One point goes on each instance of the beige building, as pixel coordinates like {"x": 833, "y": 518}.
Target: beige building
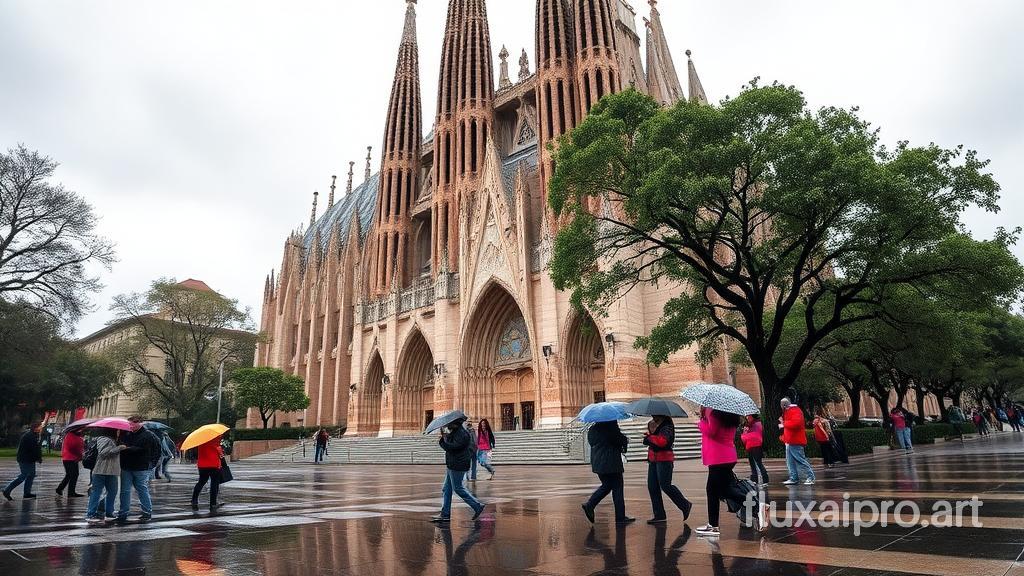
{"x": 424, "y": 288}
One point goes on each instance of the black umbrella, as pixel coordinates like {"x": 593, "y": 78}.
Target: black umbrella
{"x": 656, "y": 407}
{"x": 78, "y": 425}
{"x": 444, "y": 420}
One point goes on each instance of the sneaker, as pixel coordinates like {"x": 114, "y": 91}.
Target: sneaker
{"x": 789, "y": 482}
{"x": 440, "y": 519}
{"x": 708, "y": 531}
{"x": 658, "y": 521}
{"x": 8, "y": 495}
{"x": 59, "y": 493}
{"x": 589, "y": 511}
{"x": 94, "y": 521}
{"x": 809, "y": 482}
{"x": 121, "y": 520}
{"x": 762, "y": 485}
{"x": 626, "y": 520}
{"x": 480, "y": 511}
{"x": 145, "y": 518}
{"x": 686, "y": 510}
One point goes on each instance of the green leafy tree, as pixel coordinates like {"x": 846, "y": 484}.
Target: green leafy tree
{"x": 192, "y": 331}
{"x": 762, "y": 210}
{"x": 269, "y": 390}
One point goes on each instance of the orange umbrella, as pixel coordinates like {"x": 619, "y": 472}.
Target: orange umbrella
{"x": 203, "y": 434}
{"x": 197, "y": 568}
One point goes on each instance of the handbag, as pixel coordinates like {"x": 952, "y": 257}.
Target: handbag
{"x": 225, "y": 471}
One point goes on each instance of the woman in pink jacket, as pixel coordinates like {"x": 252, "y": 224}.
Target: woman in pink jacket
{"x": 718, "y": 452}
{"x": 753, "y": 438}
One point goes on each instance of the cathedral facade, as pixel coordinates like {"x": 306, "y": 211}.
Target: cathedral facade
{"x": 424, "y": 288}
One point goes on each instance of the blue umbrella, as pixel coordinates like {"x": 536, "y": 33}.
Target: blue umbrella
{"x": 155, "y": 425}
{"x": 604, "y": 412}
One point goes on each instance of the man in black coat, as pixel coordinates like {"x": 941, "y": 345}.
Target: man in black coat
{"x": 455, "y": 441}
{"x": 140, "y": 453}
{"x": 29, "y": 454}
{"x": 607, "y": 445}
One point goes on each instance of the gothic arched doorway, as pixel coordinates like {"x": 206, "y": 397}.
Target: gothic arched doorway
{"x": 496, "y": 380}
{"x": 584, "y": 374}
{"x": 370, "y": 393}
{"x": 414, "y": 387}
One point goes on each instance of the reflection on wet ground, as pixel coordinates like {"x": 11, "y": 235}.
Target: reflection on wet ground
{"x": 361, "y": 520}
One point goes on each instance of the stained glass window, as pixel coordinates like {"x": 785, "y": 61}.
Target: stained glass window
{"x": 514, "y": 345}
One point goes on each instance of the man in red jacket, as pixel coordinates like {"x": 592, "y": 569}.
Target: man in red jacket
{"x": 794, "y": 436}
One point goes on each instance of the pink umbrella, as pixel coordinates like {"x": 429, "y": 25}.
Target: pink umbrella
{"x": 112, "y": 422}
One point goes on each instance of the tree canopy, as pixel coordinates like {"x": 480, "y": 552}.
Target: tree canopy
{"x": 268, "y": 390}
{"x": 770, "y": 217}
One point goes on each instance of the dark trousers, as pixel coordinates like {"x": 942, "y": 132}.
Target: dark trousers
{"x": 754, "y": 456}
{"x": 659, "y": 479}
{"x": 70, "y": 479}
{"x": 720, "y": 485}
{"x": 827, "y": 453}
{"x": 211, "y": 474}
{"x": 610, "y": 483}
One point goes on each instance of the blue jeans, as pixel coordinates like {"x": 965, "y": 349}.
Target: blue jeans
{"x": 797, "y": 460}
{"x": 453, "y": 481}
{"x": 903, "y": 438}
{"x": 472, "y": 469}
{"x": 101, "y": 482}
{"x": 27, "y": 475}
{"x": 318, "y": 455}
{"x": 164, "y": 463}
{"x": 139, "y": 479}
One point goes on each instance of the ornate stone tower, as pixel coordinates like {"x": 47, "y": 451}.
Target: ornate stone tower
{"x": 597, "y": 68}
{"x": 399, "y": 171}
{"x": 556, "y": 79}
{"x": 662, "y": 79}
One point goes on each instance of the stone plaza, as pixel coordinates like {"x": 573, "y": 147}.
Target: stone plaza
{"x": 330, "y": 519}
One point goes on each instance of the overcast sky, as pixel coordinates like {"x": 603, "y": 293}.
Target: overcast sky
{"x": 199, "y": 130}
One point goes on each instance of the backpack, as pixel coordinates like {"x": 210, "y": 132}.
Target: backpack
{"x": 737, "y": 499}
{"x": 90, "y": 456}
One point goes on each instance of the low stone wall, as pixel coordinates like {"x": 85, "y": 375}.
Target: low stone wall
{"x": 247, "y": 448}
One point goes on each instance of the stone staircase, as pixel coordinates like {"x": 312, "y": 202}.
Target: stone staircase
{"x": 558, "y": 446}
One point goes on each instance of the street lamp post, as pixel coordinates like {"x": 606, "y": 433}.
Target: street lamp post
{"x": 220, "y": 389}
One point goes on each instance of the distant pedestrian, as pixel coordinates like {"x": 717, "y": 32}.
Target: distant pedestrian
{"x": 140, "y": 451}
{"x": 823, "y": 436}
{"x": 71, "y": 452}
{"x": 659, "y": 439}
{"x": 753, "y": 440}
{"x": 105, "y": 474}
{"x": 473, "y": 444}
{"x": 980, "y": 422}
{"x": 718, "y": 453}
{"x": 209, "y": 464}
{"x": 29, "y": 454}
{"x": 1013, "y": 417}
{"x": 167, "y": 451}
{"x": 322, "y": 437}
{"x": 902, "y": 427}
{"x": 484, "y": 445}
{"x": 957, "y": 419}
{"x": 794, "y": 436}
{"x": 455, "y": 441}
{"x": 607, "y": 445}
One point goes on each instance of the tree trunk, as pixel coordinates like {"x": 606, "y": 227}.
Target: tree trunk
{"x": 265, "y": 420}
{"x": 943, "y": 411}
{"x": 854, "y": 418}
{"x": 919, "y": 396}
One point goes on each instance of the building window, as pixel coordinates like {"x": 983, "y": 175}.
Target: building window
{"x": 514, "y": 345}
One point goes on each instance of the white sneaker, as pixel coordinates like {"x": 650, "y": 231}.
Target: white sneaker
{"x": 708, "y": 531}
{"x": 762, "y": 517}
{"x": 809, "y": 482}
{"x": 762, "y": 485}
{"x": 789, "y": 482}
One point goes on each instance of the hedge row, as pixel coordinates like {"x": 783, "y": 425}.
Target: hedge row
{"x": 281, "y": 433}
{"x": 863, "y": 440}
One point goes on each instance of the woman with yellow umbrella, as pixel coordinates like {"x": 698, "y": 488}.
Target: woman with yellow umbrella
{"x": 210, "y": 461}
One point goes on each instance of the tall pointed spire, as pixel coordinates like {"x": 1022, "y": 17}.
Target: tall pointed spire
{"x": 369, "y": 154}
{"x": 662, "y": 78}
{"x": 330, "y": 199}
{"x": 445, "y": 127}
{"x": 597, "y": 65}
{"x": 312, "y": 215}
{"x": 696, "y": 88}
{"x": 351, "y": 173}
{"x": 557, "y": 105}
{"x": 399, "y": 171}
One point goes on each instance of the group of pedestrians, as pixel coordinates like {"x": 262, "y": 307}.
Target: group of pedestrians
{"x": 120, "y": 462}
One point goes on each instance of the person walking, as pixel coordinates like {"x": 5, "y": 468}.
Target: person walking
{"x": 901, "y": 427}
{"x": 823, "y": 436}
{"x": 659, "y": 439}
{"x": 753, "y": 440}
{"x": 455, "y": 441}
{"x": 980, "y": 422}
{"x": 71, "y": 452}
{"x": 322, "y": 437}
{"x": 794, "y": 436}
{"x": 473, "y": 444}
{"x": 167, "y": 454}
{"x": 957, "y": 419}
{"x": 29, "y": 454}
{"x": 484, "y": 445}
{"x": 140, "y": 450}
{"x": 718, "y": 454}
{"x": 209, "y": 465}
{"x": 1012, "y": 417}
{"x": 105, "y": 474}
{"x": 607, "y": 445}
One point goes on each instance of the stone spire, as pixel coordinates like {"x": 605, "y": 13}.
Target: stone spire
{"x": 351, "y": 173}
{"x": 557, "y": 105}
{"x": 597, "y": 65}
{"x": 696, "y": 89}
{"x": 399, "y": 170}
{"x": 503, "y": 80}
{"x": 524, "y": 66}
{"x": 330, "y": 199}
{"x": 445, "y": 127}
{"x": 312, "y": 215}
{"x": 662, "y": 79}
{"x": 369, "y": 154}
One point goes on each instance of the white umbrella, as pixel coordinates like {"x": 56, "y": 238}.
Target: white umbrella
{"x": 721, "y": 397}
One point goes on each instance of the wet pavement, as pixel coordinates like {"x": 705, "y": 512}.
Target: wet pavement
{"x": 374, "y": 520}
